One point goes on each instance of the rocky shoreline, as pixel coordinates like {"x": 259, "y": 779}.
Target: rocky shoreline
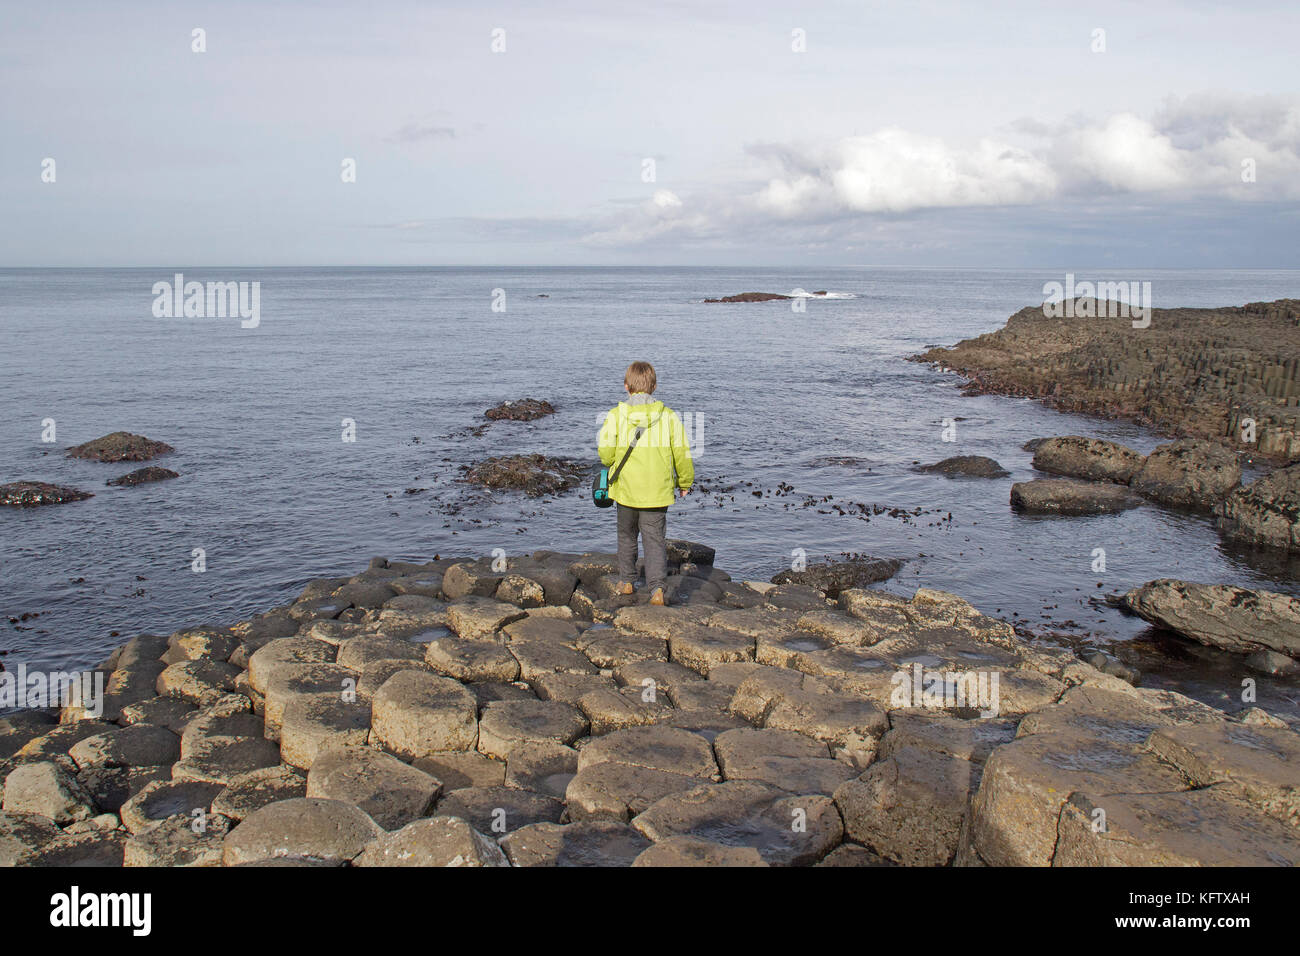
{"x": 1195, "y": 373}
{"x": 1223, "y": 379}
{"x": 492, "y": 712}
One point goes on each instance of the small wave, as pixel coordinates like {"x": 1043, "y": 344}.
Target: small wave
{"x": 801, "y": 294}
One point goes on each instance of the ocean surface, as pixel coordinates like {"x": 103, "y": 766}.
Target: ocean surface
{"x": 799, "y": 419}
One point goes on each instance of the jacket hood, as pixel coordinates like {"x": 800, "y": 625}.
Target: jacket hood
{"x": 641, "y": 414}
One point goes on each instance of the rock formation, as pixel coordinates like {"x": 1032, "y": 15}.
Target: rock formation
{"x": 534, "y": 475}
{"x": 120, "y": 446}
{"x": 522, "y": 410}
{"x": 1064, "y": 496}
{"x": 751, "y": 297}
{"x": 1228, "y": 375}
{"x": 1235, "y": 619}
{"x": 142, "y": 476}
{"x": 966, "y": 466}
{"x": 1265, "y": 513}
{"x": 30, "y": 494}
{"x": 453, "y": 713}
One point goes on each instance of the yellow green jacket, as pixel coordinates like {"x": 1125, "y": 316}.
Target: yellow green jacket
{"x": 660, "y": 462}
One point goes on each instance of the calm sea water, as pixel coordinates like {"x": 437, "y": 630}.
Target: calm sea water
{"x": 274, "y": 497}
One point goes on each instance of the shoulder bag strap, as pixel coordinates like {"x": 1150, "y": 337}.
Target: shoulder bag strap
{"x": 640, "y": 430}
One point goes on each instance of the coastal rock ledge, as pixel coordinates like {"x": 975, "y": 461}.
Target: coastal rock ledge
{"x": 460, "y": 712}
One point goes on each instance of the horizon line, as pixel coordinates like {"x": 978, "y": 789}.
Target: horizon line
{"x": 697, "y": 268}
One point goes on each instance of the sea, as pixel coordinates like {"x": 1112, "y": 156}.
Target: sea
{"x": 336, "y": 426}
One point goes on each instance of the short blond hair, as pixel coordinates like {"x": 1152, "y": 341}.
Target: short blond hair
{"x": 640, "y": 377}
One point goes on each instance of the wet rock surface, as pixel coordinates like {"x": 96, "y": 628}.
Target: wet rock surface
{"x": 534, "y": 475}
{"x": 1265, "y": 513}
{"x": 1188, "y": 473}
{"x": 120, "y": 446}
{"x": 1065, "y": 496}
{"x": 750, "y": 297}
{"x": 791, "y": 730}
{"x": 966, "y": 466}
{"x": 1243, "y": 620}
{"x": 1089, "y": 459}
{"x": 142, "y": 476}
{"x": 833, "y": 577}
{"x": 30, "y": 494}
{"x": 520, "y": 410}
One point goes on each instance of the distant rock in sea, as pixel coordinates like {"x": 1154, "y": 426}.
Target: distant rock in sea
{"x": 120, "y": 446}
{"x": 141, "y": 476}
{"x": 29, "y": 494}
{"x": 751, "y": 297}
{"x": 769, "y": 296}
{"x": 521, "y": 410}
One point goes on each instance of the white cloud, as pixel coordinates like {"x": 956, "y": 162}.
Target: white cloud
{"x": 662, "y": 214}
{"x": 894, "y": 170}
{"x": 1125, "y": 153}
{"x": 1190, "y": 150}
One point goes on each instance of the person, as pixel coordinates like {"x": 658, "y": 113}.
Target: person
{"x": 659, "y": 463}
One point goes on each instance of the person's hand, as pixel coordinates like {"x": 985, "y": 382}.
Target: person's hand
{"x": 683, "y": 492}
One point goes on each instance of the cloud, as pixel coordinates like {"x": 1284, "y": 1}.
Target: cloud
{"x": 666, "y": 199}
{"x": 662, "y": 214}
{"x": 1191, "y": 149}
{"x": 1124, "y": 153}
{"x": 413, "y": 133}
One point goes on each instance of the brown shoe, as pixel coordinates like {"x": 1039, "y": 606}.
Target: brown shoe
{"x": 657, "y": 597}
{"x": 626, "y": 588}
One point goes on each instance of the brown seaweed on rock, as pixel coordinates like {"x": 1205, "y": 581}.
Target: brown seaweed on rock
{"x": 534, "y": 475}
{"x": 120, "y": 446}
{"x": 29, "y": 494}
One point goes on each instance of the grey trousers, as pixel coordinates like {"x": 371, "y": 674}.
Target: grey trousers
{"x": 652, "y": 524}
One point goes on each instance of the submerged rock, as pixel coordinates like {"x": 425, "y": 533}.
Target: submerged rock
{"x": 534, "y": 475}
{"x": 141, "y": 476}
{"x": 521, "y": 410}
{"x": 120, "y": 446}
{"x": 29, "y": 494}
{"x": 966, "y": 466}
{"x": 832, "y": 578}
{"x": 1063, "y": 496}
{"x": 1235, "y": 619}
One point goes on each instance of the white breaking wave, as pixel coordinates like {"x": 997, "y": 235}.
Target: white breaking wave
{"x": 801, "y": 294}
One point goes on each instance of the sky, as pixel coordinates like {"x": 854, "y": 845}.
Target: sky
{"x": 951, "y": 134}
